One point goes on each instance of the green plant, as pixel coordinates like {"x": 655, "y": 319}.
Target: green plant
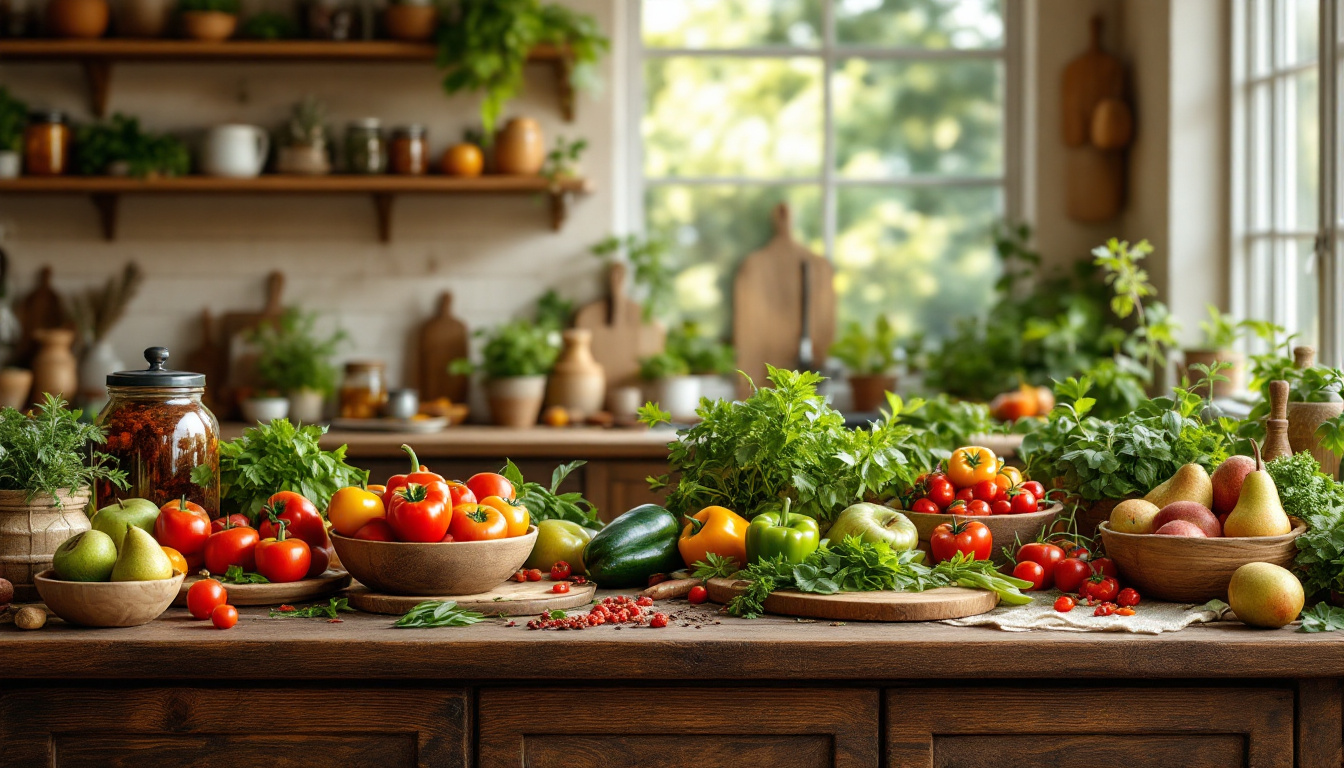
{"x": 664, "y": 365}
{"x": 485, "y": 46}
{"x": 1155, "y": 328}
{"x": 865, "y": 354}
{"x": 120, "y": 140}
{"x": 948, "y": 424}
{"x": 438, "y": 613}
{"x": 704, "y": 355}
{"x": 1315, "y": 498}
{"x": 547, "y": 503}
{"x": 13, "y": 119}
{"x": 517, "y": 348}
{"x": 293, "y": 356}
{"x": 1221, "y": 331}
{"x": 1322, "y": 617}
{"x": 307, "y": 126}
{"x": 332, "y": 610}
{"x": 269, "y": 25}
{"x": 654, "y": 268}
{"x": 221, "y": 6}
{"x": 554, "y": 311}
{"x": 52, "y": 451}
{"x": 563, "y": 161}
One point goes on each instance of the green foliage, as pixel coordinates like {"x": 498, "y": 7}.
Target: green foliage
{"x": 1275, "y": 363}
{"x": 485, "y": 46}
{"x": 331, "y": 611}
{"x": 717, "y": 567}
{"x": 269, "y": 25}
{"x": 235, "y": 574}
{"x": 13, "y": 120}
{"x": 1322, "y": 617}
{"x": 554, "y": 311}
{"x": 516, "y": 348}
{"x": 948, "y": 424}
{"x": 563, "y": 161}
{"x": 52, "y": 451}
{"x": 222, "y": 6}
{"x": 1331, "y": 435}
{"x": 664, "y": 365}
{"x": 703, "y": 353}
{"x": 274, "y": 457}
{"x": 1156, "y": 328}
{"x": 653, "y": 269}
{"x": 1221, "y": 331}
{"x": 548, "y": 503}
{"x": 120, "y": 140}
{"x": 1317, "y": 500}
{"x": 864, "y": 353}
{"x": 438, "y": 613}
{"x": 292, "y": 356}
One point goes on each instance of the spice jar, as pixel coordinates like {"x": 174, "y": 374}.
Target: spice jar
{"x": 410, "y": 151}
{"x": 46, "y": 144}
{"x": 363, "y": 390}
{"x": 161, "y": 434}
{"x": 364, "y": 151}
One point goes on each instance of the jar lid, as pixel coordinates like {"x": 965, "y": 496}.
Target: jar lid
{"x": 369, "y": 123}
{"x": 44, "y": 116}
{"x": 156, "y": 375}
{"x": 412, "y": 131}
{"x": 362, "y": 366}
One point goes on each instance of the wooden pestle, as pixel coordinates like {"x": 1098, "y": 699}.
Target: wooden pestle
{"x": 1276, "y": 426}
{"x": 1304, "y": 357}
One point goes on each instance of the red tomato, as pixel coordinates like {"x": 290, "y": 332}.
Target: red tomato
{"x": 941, "y": 491}
{"x": 560, "y": 587}
{"x": 1104, "y": 566}
{"x": 966, "y": 494}
{"x": 1001, "y": 507}
{"x": 224, "y": 616}
{"x": 321, "y": 560}
{"x": 182, "y": 503}
{"x": 1105, "y": 609}
{"x": 1127, "y": 598}
{"x": 697, "y": 595}
{"x": 986, "y": 490}
{"x": 283, "y": 560}
{"x": 231, "y": 546}
{"x": 1064, "y": 604}
{"x": 204, "y": 595}
{"x": 1029, "y": 571}
{"x": 185, "y": 531}
{"x": 1081, "y": 553}
{"x": 1070, "y": 574}
{"x": 490, "y": 484}
{"x": 421, "y": 512}
{"x": 968, "y": 536}
{"x": 477, "y": 522}
{"x": 925, "y": 506}
{"x": 233, "y": 521}
{"x": 560, "y": 571}
{"x": 1048, "y": 556}
{"x": 376, "y": 530}
{"x": 461, "y": 494}
{"x": 1036, "y": 488}
{"x": 1024, "y": 502}
{"x": 1099, "y": 587}
{"x": 305, "y": 522}
{"x": 977, "y": 508}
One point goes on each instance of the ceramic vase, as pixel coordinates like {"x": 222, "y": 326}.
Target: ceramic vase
{"x": 143, "y": 18}
{"x": 30, "y": 532}
{"x": 15, "y": 384}
{"x": 515, "y": 401}
{"x": 10, "y": 163}
{"x": 1303, "y": 421}
{"x": 209, "y": 26}
{"x": 264, "y": 410}
{"x": 678, "y": 395}
{"x": 578, "y": 383}
{"x": 55, "y": 369}
{"x": 305, "y": 406}
{"x": 520, "y": 149}
{"x": 78, "y": 19}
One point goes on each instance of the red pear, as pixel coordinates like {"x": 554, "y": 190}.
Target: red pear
{"x": 1181, "y": 528}
{"x": 1191, "y": 512}
{"x": 1227, "y": 479}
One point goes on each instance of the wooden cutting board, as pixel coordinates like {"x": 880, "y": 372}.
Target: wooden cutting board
{"x": 443, "y": 339}
{"x": 931, "y": 605}
{"x": 1088, "y": 80}
{"x": 1094, "y": 177}
{"x": 511, "y": 598}
{"x": 329, "y": 583}
{"x": 41, "y": 309}
{"x": 212, "y": 359}
{"x": 621, "y": 336}
{"x": 242, "y": 359}
{"x": 768, "y": 304}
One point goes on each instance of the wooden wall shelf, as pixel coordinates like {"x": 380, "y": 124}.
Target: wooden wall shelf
{"x": 106, "y": 191}
{"x": 98, "y": 57}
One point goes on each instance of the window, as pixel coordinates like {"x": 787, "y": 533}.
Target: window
{"x": 883, "y": 123}
{"x": 1288, "y": 204}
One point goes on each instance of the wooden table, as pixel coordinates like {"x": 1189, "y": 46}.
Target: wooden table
{"x": 289, "y": 692}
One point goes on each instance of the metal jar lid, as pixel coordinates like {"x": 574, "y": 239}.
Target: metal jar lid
{"x": 366, "y": 124}
{"x": 156, "y": 375}
{"x": 46, "y": 117}
{"x": 412, "y": 131}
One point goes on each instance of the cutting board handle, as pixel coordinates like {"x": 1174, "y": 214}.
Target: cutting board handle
{"x": 445, "y": 305}
{"x": 783, "y": 220}
{"x": 1096, "y": 24}
{"x": 616, "y": 285}
{"x": 275, "y": 288}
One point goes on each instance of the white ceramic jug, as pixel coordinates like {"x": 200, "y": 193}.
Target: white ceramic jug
{"x": 236, "y": 151}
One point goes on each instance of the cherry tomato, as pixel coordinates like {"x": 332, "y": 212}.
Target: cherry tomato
{"x": 477, "y": 522}
{"x": 986, "y": 490}
{"x": 1128, "y": 597}
{"x": 321, "y": 560}
{"x": 1079, "y": 552}
{"x": 231, "y": 546}
{"x": 560, "y": 587}
{"x": 233, "y": 521}
{"x": 697, "y": 595}
{"x": 225, "y": 616}
{"x": 1064, "y": 604}
{"x": 560, "y": 570}
{"x": 283, "y": 560}
{"x": 658, "y": 621}
{"x": 977, "y": 508}
{"x": 1070, "y": 574}
{"x": 1105, "y": 609}
{"x": 1105, "y": 566}
{"x": 967, "y": 536}
{"x": 1036, "y": 488}
{"x": 972, "y": 464}
{"x": 491, "y": 484}
{"x": 940, "y": 491}
{"x": 1001, "y": 507}
{"x": 966, "y": 494}
{"x": 1048, "y": 556}
{"x": 925, "y": 506}
{"x": 1029, "y": 571}
{"x": 1008, "y": 477}
{"x": 204, "y": 595}
{"x": 460, "y": 493}
{"x": 1024, "y": 502}
{"x": 515, "y": 513}
{"x": 1099, "y": 587}
{"x": 534, "y": 574}
{"x": 183, "y": 530}
{"x": 376, "y": 530}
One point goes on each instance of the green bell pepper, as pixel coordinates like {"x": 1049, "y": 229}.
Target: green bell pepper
{"x": 792, "y": 535}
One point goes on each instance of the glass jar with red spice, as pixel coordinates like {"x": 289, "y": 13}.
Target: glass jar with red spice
{"x": 162, "y": 435}
{"x": 46, "y": 144}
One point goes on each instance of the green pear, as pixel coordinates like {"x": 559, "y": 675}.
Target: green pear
{"x": 141, "y": 559}
{"x": 1265, "y": 595}
{"x": 1259, "y": 512}
{"x": 114, "y": 518}
{"x": 1190, "y": 483}
{"x": 87, "y": 556}
{"x": 1133, "y": 516}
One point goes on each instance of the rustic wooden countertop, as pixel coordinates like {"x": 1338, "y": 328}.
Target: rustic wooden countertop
{"x": 473, "y": 441}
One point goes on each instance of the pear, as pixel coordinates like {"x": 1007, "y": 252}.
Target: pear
{"x": 86, "y": 556}
{"x": 114, "y": 518}
{"x": 1190, "y": 483}
{"x": 1133, "y": 516}
{"x": 1265, "y": 595}
{"x": 1259, "y": 511}
{"x": 141, "y": 559}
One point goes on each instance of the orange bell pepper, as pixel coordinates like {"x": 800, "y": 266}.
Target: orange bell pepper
{"x": 516, "y": 514}
{"x": 714, "y": 529}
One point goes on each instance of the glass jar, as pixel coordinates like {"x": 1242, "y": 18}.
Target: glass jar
{"x": 363, "y": 389}
{"x": 410, "y": 151}
{"x": 364, "y": 150}
{"x": 46, "y": 144}
{"x": 160, "y": 433}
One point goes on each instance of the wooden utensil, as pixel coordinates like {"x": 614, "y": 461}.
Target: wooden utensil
{"x": 330, "y": 582}
{"x": 621, "y": 336}
{"x": 930, "y": 605}
{"x": 242, "y": 360}
{"x": 1276, "y": 426}
{"x": 443, "y": 339}
{"x": 40, "y": 310}
{"x": 768, "y": 304}
{"x": 1088, "y": 80}
{"x": 510, "y": 598}
{"x": 437, "y": 568}
{"x": 1096, "y": 124}
{"x": 212, "y": 359}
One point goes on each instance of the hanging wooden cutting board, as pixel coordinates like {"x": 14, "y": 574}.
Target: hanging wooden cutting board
{"x": 41, "y": 309}
{"x": 212, "y": 359}
{"x": 1094, "y": 177}
{"x": 511, "y": 598}
{"x": 931, "y": 605}
{"x": 1089, "y": 80}
{"x": 236, "y": 325}
{"x": 768, "y": 304}
{"x": 443, "y": 339}
{"x": 621, "y": 336}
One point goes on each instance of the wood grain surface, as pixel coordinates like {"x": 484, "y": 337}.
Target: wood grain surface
{"x": 930, "y": 605}
{"x": 330, "y": 582}
{"x": 621, "y": 335}
{"x": 509, "y": 599}
{"x": 443, "y": 339}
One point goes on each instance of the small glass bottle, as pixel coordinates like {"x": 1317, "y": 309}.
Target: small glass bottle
{"x": 410, "y": 151}
{"x": 46, "y": 144}
{"x": 363, "y": 389}
{"x": 364, "y": 150}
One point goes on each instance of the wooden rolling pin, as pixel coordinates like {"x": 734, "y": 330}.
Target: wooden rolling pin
{"x": 1276, "y": 426}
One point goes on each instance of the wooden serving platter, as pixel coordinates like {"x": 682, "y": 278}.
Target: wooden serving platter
{"x": 931, "y": 605}
{"x": 276, "y": 594}
{"x": 511, "y": 598}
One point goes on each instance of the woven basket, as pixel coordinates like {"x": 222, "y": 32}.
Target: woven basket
{"x": 30, "y": 532}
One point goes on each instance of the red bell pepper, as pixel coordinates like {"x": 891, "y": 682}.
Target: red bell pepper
{"x": 419, "y": 474}
{"x": 421, "y": 512}
{"x": 305, "y": 522}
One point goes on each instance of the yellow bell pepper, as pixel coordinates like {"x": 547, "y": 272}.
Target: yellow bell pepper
{"x": 714, "y": 529}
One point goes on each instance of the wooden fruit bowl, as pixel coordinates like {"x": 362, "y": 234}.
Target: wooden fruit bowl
{"x": 434, "y": 569}
{"x": 1003, "y": 527}
{"x": 1192, "y": 570}
{"x": 107, "y": 603}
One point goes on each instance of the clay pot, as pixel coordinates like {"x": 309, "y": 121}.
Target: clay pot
{"x": 520, "y": 149}
{"x": 15, "y": 384}
{"x": 578, "y": 383}
{"x": 55, "y": 369}
{"x": 143, "y": 18}
{"x": 209, "y": 26}
{"x": 81, "y": 19}
{"x": 869, "y": 391}
{"x": 516, "y": 401}
{"x": 412, "y": 23}
{"x": 1303, "y": 421}
{"x": 304, "y": 160}
{"x": 30, "y": 532}
{"x": 1236, "y": 375}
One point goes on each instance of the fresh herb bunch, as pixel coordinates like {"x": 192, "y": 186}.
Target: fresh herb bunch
{"x": 120, "y": 140}
{"x": 274, "y": 457}
{"x": 52, "y": 451}
{"x": 269, "y": 25}
{"x": 866, "y": 354}
{"x": 782, "y": 442}
{"x": 717, "y": 567}
{"x": 232, "y": 7}
{"x": 292, "y": 355}
{"x": 654, "y": 269}
{"x": 554, "y": 311}
{"x": 664, "y": 365}
{"x": 547, "y": 503}
{"x": 948, "y": 424}
{"x": 438, "y": 613}
{"x": 13, "y": 121}
{"x": 517, "y": 348}
{"x": 331, "y": 610}
{"x": 563, "y": 161}
{"x": 1315, "y": 498}
{"x": 704, "y": 354}
{"x": 1221, "y": 331}
{"x": 236, "y": 575}
{"x": 1322, "y": 617}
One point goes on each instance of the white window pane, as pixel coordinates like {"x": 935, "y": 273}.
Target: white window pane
{"x": 938, "y": 24}
{"x": 1258, "y": 34}
{"x": 1302, "y": 30}
{"x": 916, "y": 118}
{"x": 1261, "y": 184}
{"x": 1302, "y": 291}
{"x": 923, "y": 257}
{"x": 1260, "y": 281}
{"x": 725, "y": 116}
{"x": 731, "y": 23}
{"x": 1305, "y": 155}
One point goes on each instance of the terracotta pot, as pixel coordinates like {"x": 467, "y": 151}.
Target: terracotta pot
{"x": 82, "y": 19}
{"x": 870, "y": 391}
{"x": 520, "y": 149}
{"x": 55, "y": 369}
{"x": 1236, "y": 375}
{"x": 412, "y": 23}
{"x": 15, "y": 384}
{"x": 515, "y": 401}
{"x": 143, "y": 18}
{"x": 30, "y": 532}
{"x": 1303, "y": 420}
{"x": 209, "y": 26}
{"x": 578, "y": 383}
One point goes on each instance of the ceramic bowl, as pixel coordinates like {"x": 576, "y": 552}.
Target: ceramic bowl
{"x": 434, "y": 569}
{"x": 107, "y": 603}
{"x": 1005, "y": 528}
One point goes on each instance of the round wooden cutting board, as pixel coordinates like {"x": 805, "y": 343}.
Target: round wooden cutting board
{"x": 931, "y": 605}
{"x": 512, "y": 598}
{"x": 328, "y": 583}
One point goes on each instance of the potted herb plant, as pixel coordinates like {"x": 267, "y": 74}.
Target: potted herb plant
{"x": 1220, "y": 337}
{"x": 303, "y": 144}
{"x": 411, "y": 20}
{"x": 1313, "y": 400}
{"x": 209, "y": 21}
{"x": 293, "y": 359}
{"x": 13, "y": 118}
{"x": 671, "y": 384}
{"x": 47, "y": 469}
{"x": 515, "y": 359}
{"x": 119, "y": 147}
{"x": 870, "y": 360}
{"x": 710, "y": 360}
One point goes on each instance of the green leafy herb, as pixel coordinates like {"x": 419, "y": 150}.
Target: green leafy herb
{"x": 517, "y": 348}
{"x": 291, "y": 355}
{"x": 948, "y": 424}
{"x": 1322, "y": 617}
{"x": 557, "y": 614}
{"x": 546, "y": 504}
{"x": 120, "y": 140}
{"x": 236, "y": 575}
{"x": 438, "y": 613}
{"x": 221, "y": 6}
{"x": 1311, "y": 496}
{"x": 866, "y": 353}
{"x": 653, "y": 265}
{"x": 563, "y": 161}
{"x": 329, "y": 611}
{"x": 663, "y": 365}
{"x": 718, "y": 567}
{"x": 13, "y": 120}
{"x": 703, "y": 353}
{"x": 52, "y": 451}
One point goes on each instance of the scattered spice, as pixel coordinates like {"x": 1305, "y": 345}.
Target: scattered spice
{"x": 330, "y": 610}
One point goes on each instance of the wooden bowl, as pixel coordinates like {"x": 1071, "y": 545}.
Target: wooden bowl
{"x": 1192, "y": 570}
{"x": 107, "y": 603}
{"x": 434, "y": 569}
{"x": 1005, "y": 528}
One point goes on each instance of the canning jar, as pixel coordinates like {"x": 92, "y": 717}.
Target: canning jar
{"x": 46, "y": 144}
{"x": 409, "y": 151}
{"x": 162, "y": 436}
{"x": 364, "y": 151}
{"x": 363, "y": 389}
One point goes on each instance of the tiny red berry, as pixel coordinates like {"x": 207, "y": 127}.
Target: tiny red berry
{"x": 698, "y": 595}
{"x": 534, "y": 574}
{"x": 1064, "y": 604}
{"x": 1128, "y": 597}
{"x": 560, "y": 571}
{"x": 658, "y": 621}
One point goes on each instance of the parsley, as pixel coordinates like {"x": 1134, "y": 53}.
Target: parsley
{"x": 1311, "y": 496}
{"x": 545, "y": 504}
{"x": 1322, "y": 617}
{"x": 438, "y": 613}
{"x": 236, "y": 575}
{"x": 328, "y": 611}
{"x": 50, "y": 451}
{"x": 718, "y": 567}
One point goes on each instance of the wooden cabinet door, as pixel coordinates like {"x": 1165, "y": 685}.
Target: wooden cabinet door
{"x": 1090, "y": 727}
{"x": 617, "y": 486}
{"x": 678, "y": 727}
{"x": 233, "y": 728}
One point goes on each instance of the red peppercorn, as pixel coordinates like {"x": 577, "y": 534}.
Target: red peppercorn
{"x": 658, "y": 621}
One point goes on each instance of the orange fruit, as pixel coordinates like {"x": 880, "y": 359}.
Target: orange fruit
{"x": 464, "y": 160}
{"x": 179, "y": 562}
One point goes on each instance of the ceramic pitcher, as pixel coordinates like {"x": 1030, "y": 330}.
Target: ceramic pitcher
{"x": 577, "y": 383}
{"x": 235, "y": 151}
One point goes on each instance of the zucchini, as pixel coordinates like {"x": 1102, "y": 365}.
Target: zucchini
{"x": 633, "y": 547}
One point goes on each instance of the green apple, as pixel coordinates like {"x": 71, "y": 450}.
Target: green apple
{"x": 559, "y": 540}
{"x": 874, "y": 523}
{"x": 141, "y": 559}
{"x": 114, "y": 518}
{"x": 87, "y": 556}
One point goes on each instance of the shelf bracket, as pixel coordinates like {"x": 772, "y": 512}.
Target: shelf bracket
{"x": 106, "y": 204}
{"x": 382, "y": 207}
{"x": 98, "y": 77}
{"x": 564, "y": 85}
{"x": 560, "y": 200}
